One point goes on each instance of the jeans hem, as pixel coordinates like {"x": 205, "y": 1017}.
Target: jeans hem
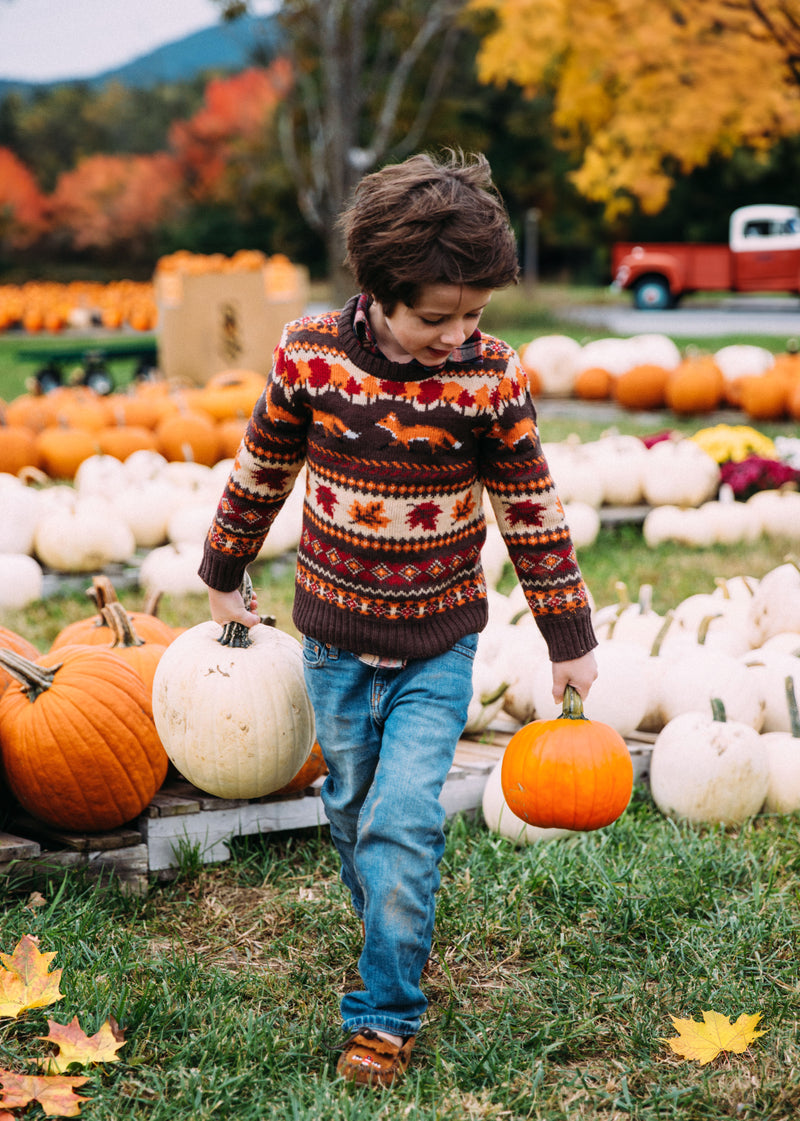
{"x": 394, "y": 1027}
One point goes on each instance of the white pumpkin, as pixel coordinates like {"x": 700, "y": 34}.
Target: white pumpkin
{"x": 284, "y": 533}
{"x": 777, "y": 513}
{"x": 190, "y": 521}
{"x": 21, "y": 581}
{"x": 708, "y": 771}
{"x": 611, "y": 354}
{"x": 235, "y": 721}
{"x": 85, "y": 538}
{"x": 146, "y": 506}
{"x": 742, "y": 360}
{"x": 731, "y": 521}
{"x": 144, "y": 465}
{"x": 100, "y": 474}
{"x": 500, "y": 819}
{"x": 679, "y": 473}
{"x": 172, "y": 570}
{"x": 771, "y": 670}
{"x": 619, "y": 460}
{"x": 692, "y": 675}
{"x": 654, "y": 350}
{"x": 783, "y": 758}
{"x": 584, "y": 523}
{"x": 20, "y": 507}
{"x": 488, "y": 689}
{"x": 494, "y": 556}
{"x": 775, "y": 606}
{"x": 555, "y": 359}
{"x": 524, "y": 650}
{"x": 574, "y": 474}
{"x": 629, "y": 622}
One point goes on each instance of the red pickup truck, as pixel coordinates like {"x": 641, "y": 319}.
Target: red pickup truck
{"x": 762, "y": 255}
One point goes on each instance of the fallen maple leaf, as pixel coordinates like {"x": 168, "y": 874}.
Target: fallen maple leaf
{"x": 54, "y": 1093}
{"x": 25, "y": 981}
{"x": 75, "y": 1046}
{"x": 705, "y": 1041}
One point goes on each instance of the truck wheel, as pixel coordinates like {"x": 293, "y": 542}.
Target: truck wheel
{"x": 652, "y": 293}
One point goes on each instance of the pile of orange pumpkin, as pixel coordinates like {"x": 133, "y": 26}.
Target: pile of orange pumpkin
{"x": 57, "y": 431}
{"x": 49, "y": 306}
{"x": 648, "y": 372}
{"x": 78, "y": 740}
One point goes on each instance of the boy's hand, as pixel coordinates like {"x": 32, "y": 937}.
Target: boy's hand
{"x": 580, "y": 673}
{"x": 228, "y": 607}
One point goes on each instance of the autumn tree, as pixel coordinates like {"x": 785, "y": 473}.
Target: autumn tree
{"x": 368, "y": 75}
{"x": 115, "y": 202}
{"x": 22, "y": 205}
{"x": 645, "y": 93}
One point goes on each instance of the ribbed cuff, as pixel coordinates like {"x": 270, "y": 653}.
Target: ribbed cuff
{"x": 567, "y": 637}
{"x": 222, "y": 573}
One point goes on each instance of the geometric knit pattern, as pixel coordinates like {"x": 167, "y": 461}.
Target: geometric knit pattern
{"x": 397, "y": 458}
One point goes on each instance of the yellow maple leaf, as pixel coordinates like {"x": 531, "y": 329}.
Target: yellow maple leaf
{"x": 705, "y": 1041}
{"x": 75, "y": 1046}
{"x": 55, "y": 1094}
{"x": 24, "y": 978}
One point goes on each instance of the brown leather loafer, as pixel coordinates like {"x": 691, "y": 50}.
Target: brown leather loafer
{"x": 371, "y": 1061}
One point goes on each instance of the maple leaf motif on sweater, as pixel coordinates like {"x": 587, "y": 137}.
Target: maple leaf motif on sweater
{"x": 320, "y": 373}
{"x": 369, "y": 514}
{"x": 424, "y": 515}
{"x": 463, "y": 508}
{"x": 274, "y": 478}
{"x": 327, "y": 500}
{"x": 525, "y": 513}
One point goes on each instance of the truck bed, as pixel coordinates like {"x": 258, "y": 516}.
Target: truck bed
{"x": 702, "y": 266}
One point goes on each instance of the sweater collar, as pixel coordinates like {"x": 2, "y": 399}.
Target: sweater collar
{"x": 470, "y": 351}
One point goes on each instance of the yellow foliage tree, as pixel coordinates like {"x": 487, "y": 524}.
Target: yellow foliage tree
{"x": 647, "y": 92}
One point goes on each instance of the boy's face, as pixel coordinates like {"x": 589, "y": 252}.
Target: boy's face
{"x": 444, "y": 316}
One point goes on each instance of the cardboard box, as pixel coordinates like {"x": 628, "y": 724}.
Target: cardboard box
{"x": 225, "y": 320}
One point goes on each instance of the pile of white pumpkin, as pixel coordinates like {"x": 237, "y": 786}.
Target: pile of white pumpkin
{"x": 144, "y": 511}
{"x": 658, "y": 674}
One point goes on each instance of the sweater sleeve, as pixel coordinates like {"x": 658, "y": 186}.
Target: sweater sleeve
{"x": 531, "y": 519}
{"x": 265, "y": 469}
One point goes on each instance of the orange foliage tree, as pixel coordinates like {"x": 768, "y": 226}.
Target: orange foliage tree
{"x": 645, "y": 92}
{"x": 22, "y": 205}
{"x": 227, "y": 128}
{"x": 115, "y": 201}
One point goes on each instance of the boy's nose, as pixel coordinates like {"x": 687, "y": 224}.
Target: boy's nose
{"x": 454, "y": 335}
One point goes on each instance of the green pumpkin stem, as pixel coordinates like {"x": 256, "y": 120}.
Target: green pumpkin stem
{"x": 718, "y": 710}
{"x": 791, "y": 700}
{"x": 572, "y": 705}
{"x": 33, "y": 678}
{"x": 705, "y": 625}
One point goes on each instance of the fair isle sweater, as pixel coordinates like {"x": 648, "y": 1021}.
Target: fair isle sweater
{"x": 397, "y": 460}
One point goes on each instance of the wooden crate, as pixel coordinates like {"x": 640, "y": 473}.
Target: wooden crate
{"x": 182, "y": 819}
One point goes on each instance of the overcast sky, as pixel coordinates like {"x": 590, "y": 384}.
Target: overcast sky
{"x": 44, "y": 40}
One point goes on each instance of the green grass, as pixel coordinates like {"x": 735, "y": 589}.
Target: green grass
{"x": 554, "y": 974}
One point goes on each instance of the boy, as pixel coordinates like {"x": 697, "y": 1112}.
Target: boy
{"x": 403, "y": 413}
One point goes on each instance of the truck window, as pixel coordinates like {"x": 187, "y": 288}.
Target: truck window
{"x": 760, "y": 228}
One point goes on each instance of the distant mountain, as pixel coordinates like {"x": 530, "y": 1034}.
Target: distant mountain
{"x": 223, "y": 46}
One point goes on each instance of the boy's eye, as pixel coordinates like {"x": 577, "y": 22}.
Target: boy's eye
{"x": 431, "y": 322}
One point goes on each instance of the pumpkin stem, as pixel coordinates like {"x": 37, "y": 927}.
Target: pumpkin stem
{"x": 237, "y": 634}
{"x": 102, "y": 592}
{"x": 621, "y": 588}
{"x": 655, "y": 649}
{"x": 791, "y": 700}
{"x": 705, "y": 626}
{"x": 572, "y": 705}
{"x": 495, "y": 695}
{"x": 645, "y": 599}
{"x": 122, "y": 629}
{"x": 33, "y": 678}
{"x": 718, "y": 710}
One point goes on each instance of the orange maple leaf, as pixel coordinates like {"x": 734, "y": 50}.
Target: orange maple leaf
{"x": 75, "y": 1046}
{"x": 24, "y": 979}
{"x": 54, "y": 1093}
{"x": 705, "y": 1041}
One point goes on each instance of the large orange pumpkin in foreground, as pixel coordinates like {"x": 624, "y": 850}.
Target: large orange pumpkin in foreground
{"x": 79, "y": 746}
{"x": 568, "y": 773}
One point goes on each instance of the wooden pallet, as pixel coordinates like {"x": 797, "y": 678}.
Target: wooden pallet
{"x": 181, "y": 819}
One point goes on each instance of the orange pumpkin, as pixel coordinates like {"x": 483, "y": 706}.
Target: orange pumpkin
{"x": 62, "y": 450}
{"x": 187, "y": 436}
{"x": 641, "y": 387}
{"x": 593, "y": 384}
{"x": 313, "y": 768}
{"x": 79, "y": 746}
{"x": 696, "y": 385}
{"x": 17, "y": 447}
{"x": 567, "y": 773}
{"x": 95, "y": 631}
{"x": 126, "y": 643}
{"x": 764, "y": 396}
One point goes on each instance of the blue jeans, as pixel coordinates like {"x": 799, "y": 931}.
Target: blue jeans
{"x": 388, "y": 737}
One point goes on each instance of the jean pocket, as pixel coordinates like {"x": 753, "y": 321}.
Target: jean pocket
{"x": 467, "y": 646}
{"x": 318, "y": 653}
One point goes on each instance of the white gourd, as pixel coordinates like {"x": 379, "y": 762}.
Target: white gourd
{"x": 776, "y": 604}
{"x": 708, "y": 771}
{"x": 84, "y": 538}
{"x": 172, "y": 570}
{"x": 554, "y": 358}
{"x": 187, "y": 474}
{"x": 100, "y": 474}
{"x": 629, "y": 622}
{"x": 573, "y": 473}
{"x": 692, "y": 675}
{"x": 144, "y": 465}
{"x": 249, "y": 727}
{"x": 21, "y": 581}
{"x": 679, "y": 473}
{"x": 742, "y": 360}
{"x": 619, "y": 460}
{"x": 190, "y": 521}
{"x": 777, "y": 513}
{"x": 611, "y": 354}
{"x": 771, "y": 670}
{"x": 783, "y": 759}
{"x": 146, "y": 506}
{"x": 654, "y": 350}
{"x": 731, "y": 521}
{"x": 661, "y": 525}
{"x": 500, "y": 819}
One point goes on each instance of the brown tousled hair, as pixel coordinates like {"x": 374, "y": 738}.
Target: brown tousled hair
{"x": 427, "y": 221}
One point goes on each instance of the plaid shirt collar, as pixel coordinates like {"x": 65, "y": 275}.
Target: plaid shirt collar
{"x": 470, "y": 351}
